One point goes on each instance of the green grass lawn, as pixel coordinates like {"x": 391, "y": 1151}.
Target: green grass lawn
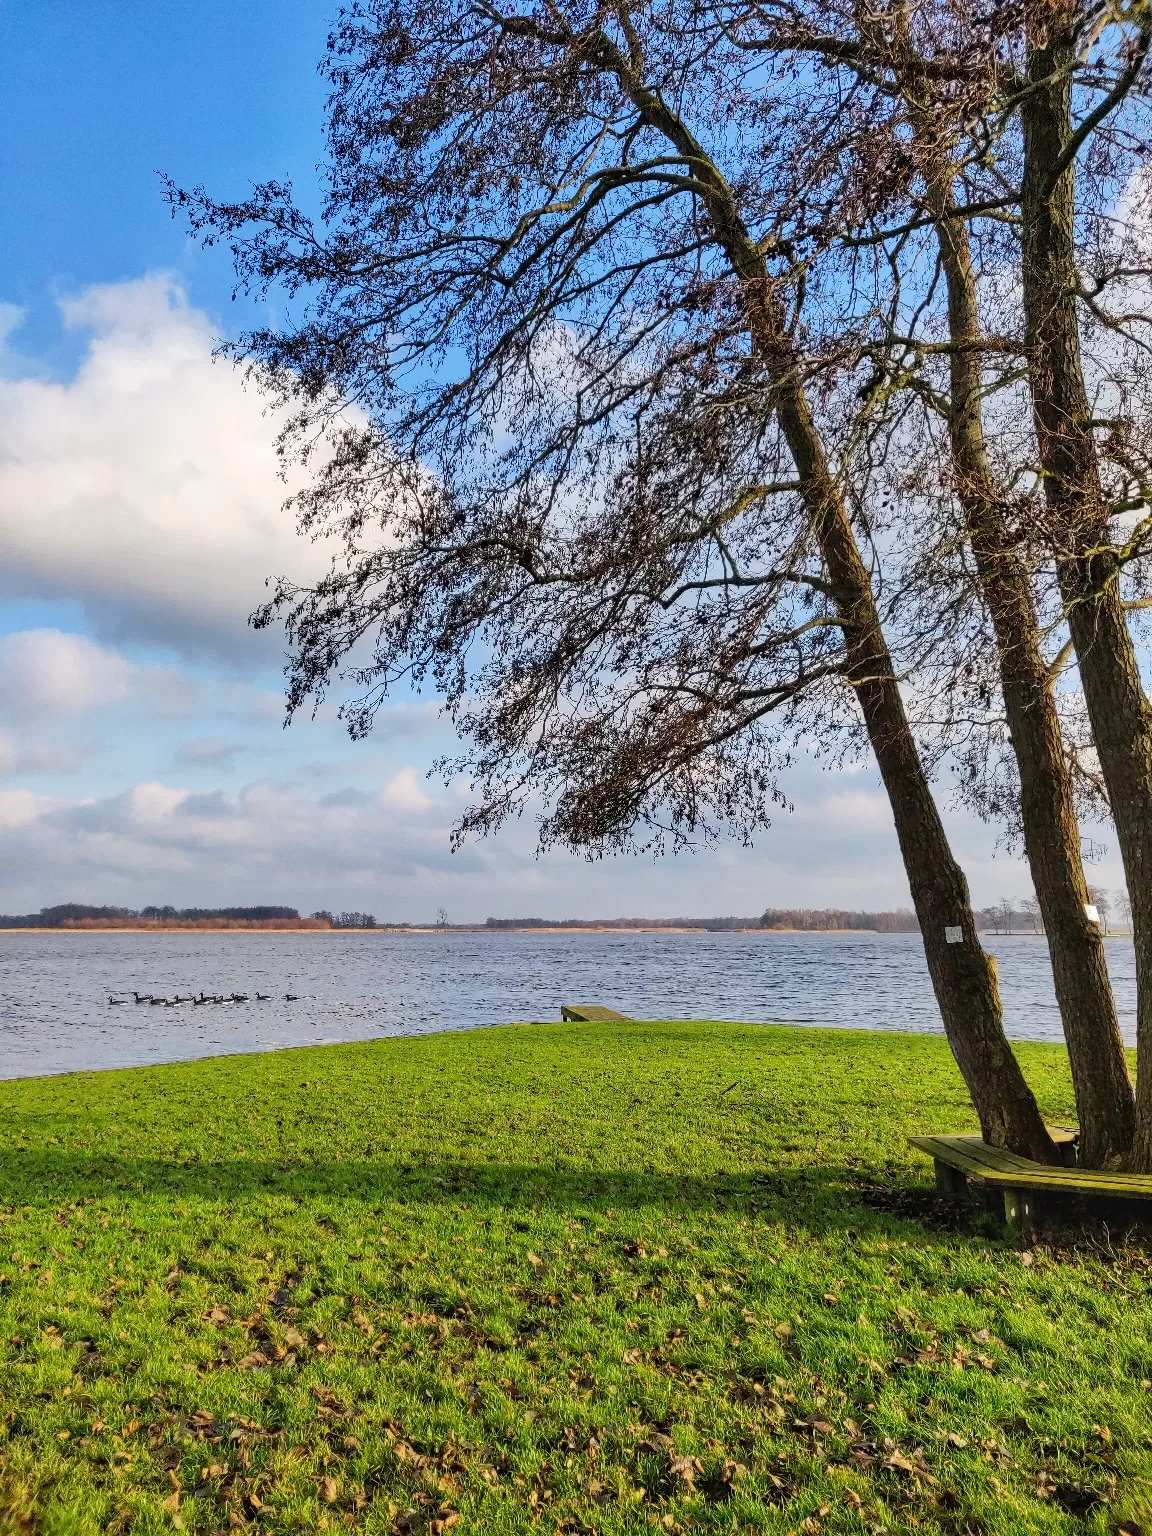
{"x": 572, "y": 1278}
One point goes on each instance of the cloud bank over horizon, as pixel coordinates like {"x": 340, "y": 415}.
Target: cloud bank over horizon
{"x": 142, "y": 757}
{"x": 146, "y": 488}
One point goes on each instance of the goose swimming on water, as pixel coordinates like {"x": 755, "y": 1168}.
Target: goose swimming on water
{"x": 263, "y": 997}
{"x": 290, "y": 997}
{"x": 140, "y": 998}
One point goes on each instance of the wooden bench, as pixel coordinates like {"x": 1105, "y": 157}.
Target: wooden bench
{"x": 592, "y": 1013}
{"x": 959, "y": 1159}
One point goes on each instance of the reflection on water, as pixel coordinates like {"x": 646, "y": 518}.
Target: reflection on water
{"x": 54, "y": 987}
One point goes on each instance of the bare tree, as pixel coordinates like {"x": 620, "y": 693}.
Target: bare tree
{"x": 932, "y": 80}
{"x": 593, "y": 494}
{"x": 1073, "y": 61}
{"x": 1100, "y": 899}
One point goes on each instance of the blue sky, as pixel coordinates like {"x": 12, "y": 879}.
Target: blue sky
{"x": 141, "y": 752}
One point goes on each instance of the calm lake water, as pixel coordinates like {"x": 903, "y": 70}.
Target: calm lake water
{"x": 54, "y": 987}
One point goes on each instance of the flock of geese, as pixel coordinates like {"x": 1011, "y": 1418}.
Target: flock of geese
{"x": 177, "y": 1001}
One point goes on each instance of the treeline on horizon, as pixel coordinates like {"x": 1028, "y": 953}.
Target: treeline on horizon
{"x": 712, "y": 924}
{"x": 810, "y": 920}
{"x": 76, "y": 914}
{"x": 72, "y": 914}
{"x": 799, "y": 919}
{"x": 826, "y": 919}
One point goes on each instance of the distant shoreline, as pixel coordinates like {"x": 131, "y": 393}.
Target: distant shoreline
{"x": 433, "y": 932}
{"x": 337, "y": 933}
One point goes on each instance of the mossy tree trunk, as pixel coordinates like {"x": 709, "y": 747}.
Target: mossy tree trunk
{"x": 1087, "y": 562}
{"x": 1104, "y": 1096}
{"x": 963, "y": 976}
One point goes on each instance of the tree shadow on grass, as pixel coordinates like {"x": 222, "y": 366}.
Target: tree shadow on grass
{"x": 819, "y": 1199}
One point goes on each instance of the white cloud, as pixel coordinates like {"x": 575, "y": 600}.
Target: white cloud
{"x": 854, "y": 811}
{"x": 266, "y": 836}
{"x": 208, "y": 752}
{"x": 404, "y": 793}
{"x": 46, "y": 673}
{"x": 20, "y": 808}
{"x": 11, "y": 318}
{"x": 146, "y": 487}
{"x": 385, "y": 848}
{"x": 19, "y": 756}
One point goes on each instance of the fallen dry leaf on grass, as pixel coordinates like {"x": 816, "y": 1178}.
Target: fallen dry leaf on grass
{"x": 655, "y": 1443}
{"x": 898, "y": 1463}
{"x": 813, "y": 1427}
{"x": 684, "y": 1469}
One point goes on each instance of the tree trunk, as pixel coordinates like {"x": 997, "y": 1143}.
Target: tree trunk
{"x": 1087, "y": 565}
{"x": 963, "y": 976}
{"x": 1104, "y": 1097}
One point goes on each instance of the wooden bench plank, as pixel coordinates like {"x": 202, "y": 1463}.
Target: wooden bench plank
{"x": 1086, "y": 1181}
{"x": 971, "y": 1154}
{"x": 592, "y": 1013}
{"x": 992, "y": 1165}
{"x": 1021, "y": 1181}
{"x": 978, "y": 1151}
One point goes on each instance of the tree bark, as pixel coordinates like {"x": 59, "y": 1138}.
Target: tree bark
{"x": 963, "y": 976}
{"x": 1086, "y": 561}
{"x": 1104, "y": 1097}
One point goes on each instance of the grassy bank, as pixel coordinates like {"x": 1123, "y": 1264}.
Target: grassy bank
{"x": 547, "y": 1279}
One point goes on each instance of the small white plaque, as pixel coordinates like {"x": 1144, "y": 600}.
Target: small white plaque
{"x": 1091, "y": 913}
{"x": 953, "y": 935}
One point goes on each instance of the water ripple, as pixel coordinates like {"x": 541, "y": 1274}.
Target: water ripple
{"x": 54, "y": 1015}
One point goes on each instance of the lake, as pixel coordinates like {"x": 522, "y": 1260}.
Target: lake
{"x": 54, "y": 987}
